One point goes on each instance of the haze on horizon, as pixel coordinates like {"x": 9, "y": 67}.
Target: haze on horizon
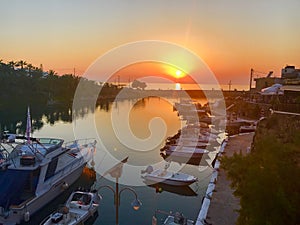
{"x": 230, "y": 36}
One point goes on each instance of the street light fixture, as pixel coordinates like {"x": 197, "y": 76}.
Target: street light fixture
{"x": 116, "y": 172}
{"x": 136, "y": 203}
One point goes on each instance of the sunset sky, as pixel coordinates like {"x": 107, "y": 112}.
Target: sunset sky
{"x": 230, "y": 36}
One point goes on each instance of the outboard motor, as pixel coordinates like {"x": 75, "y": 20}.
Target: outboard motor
{"x": 179, "y": 219}
{"x": 96, "y": 198}
{"x": 149, "y": 169}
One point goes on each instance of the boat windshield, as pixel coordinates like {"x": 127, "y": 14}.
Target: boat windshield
{"x": 42, "y": 146}
{"x": 83, "y": 198}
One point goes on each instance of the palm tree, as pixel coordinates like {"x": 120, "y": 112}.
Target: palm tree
{"x": 30, "y": 67}
{"x": 21, "y": 63}
{"x": 52, "y": 73}
{"x": 12, "y": 64}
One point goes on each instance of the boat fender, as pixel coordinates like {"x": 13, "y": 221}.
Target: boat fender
{"x": 65, "y": 185}
{"x": 26, "y": 216}
{"x": 158, "y": 189}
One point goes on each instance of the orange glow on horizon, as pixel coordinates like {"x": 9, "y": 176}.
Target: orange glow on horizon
{"x": 159, "y": 72}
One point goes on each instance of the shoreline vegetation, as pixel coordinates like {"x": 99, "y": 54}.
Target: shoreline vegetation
{"x": 267, "y": 179}
{"x": 23, "y": 85}
{"x": 21, "y": 79}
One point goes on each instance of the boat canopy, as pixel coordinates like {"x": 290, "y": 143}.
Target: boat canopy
{"x": 12, "y": 185}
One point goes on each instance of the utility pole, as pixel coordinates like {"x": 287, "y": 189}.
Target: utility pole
{"x": 251, "y": 77}
{"x": 74, "y": 71}
{"x": 229, "y": 84}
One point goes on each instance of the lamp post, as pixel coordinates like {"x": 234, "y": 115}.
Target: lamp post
{"x": 116, "y": 172}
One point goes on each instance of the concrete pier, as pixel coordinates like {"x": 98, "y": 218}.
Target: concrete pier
{"x": 219, "y": 206}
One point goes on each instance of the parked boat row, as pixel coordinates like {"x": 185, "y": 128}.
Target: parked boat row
{"x": 191, "y": 142}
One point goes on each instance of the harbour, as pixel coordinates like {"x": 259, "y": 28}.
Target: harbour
{"x": 149, "y": 113}
{"x": 173, "y": 148}
{"x": 164, "y": 197}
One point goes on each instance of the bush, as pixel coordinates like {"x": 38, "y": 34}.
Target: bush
{"x": 266, "y": 180}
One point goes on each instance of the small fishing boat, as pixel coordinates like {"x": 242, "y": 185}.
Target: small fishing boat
{"x": 185, "y": 152}
{"x": 168, "y": 177}
{"x": 172, "y": 218}
{"x": 80, "y": 206}
{"x": 192, "y": 137}
{"x": 246, "y": 129}
{"x": 187, "y": 143}
{"x": 179, "y": 190}
{"x": 178, "y": 219}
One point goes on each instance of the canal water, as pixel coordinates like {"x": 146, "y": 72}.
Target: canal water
{"x": 137, "y": 130}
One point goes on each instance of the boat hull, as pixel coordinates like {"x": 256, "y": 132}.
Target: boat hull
{"x": 181, "y": 190}
{"x": 80, "y": 207}
{"x": 80, "y": 221}
{"x": 168, "y": 181}
{"x": 169, "y": 178}
{"x": 17, "y": 213}
{"x": 185, "y": 154}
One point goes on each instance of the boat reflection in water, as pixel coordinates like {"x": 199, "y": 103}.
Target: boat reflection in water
{"x": 179, "y": 190}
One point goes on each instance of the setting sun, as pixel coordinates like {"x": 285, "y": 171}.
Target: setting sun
{"x": 178, "y": 73}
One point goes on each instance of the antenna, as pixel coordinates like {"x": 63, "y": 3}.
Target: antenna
{"x": 229, "y": 84}
{"x": 251, "y": 77}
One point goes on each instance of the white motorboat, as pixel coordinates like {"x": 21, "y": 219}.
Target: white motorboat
{"x": 80, "y": 206}
{"x": 168, "y": 177}
{"x": 185, "y": 152}
{"x": 33, "y": 171}
{"x": 178, "y": 219}
{"x": 246, "y": 129}
{"x": 172, "y": 218}
{"x": 187, "y": 143}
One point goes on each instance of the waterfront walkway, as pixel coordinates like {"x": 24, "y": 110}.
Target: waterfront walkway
{"x": 223, "y": 205}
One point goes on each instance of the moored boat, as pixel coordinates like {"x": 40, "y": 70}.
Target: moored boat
{"x": 33, "y": 171}
{"x": 179, "y": 190}
{"x": 246, "y": 129}
{"x": 178, "y": 219}
{"x": 172, "y": 218}
{"x": 80, "y": 206}
{"x": 168, "y": 177}
{"x": 185, "y": 152}
{"x": 187, "y": 143}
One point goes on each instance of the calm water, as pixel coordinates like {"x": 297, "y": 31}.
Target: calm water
{"x": 137, "y": 130}
{"x": 177, "y": 86}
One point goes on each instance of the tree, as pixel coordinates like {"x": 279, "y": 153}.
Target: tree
{"x": 138, "y": 84}
{"x": 12, "y": 64}
{"x": 266, "y": 179}
{"x": 21, "y": 63}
